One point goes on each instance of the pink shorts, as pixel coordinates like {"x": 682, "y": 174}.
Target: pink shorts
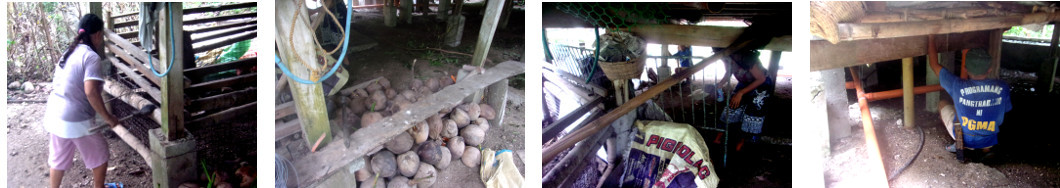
{"x": 93, "y": 148}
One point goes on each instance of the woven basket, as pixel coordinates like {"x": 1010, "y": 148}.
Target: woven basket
{"x": 825, "y": 15}
{"x": 623, "y": 70}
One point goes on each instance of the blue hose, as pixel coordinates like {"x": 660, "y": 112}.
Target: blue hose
{"x": 172, "y": 45}
{"x": 345, "y": 43}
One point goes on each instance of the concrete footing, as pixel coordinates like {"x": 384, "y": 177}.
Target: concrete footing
{"x": 497, "y": 98}
{"x": 455, "y": 30}
{"x": 175, "y": 161}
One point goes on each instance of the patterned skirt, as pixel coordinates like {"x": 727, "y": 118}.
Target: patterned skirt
{"x": 752, "y": 110}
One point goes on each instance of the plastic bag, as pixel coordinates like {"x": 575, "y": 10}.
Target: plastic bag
{"x": 665, "y": 154}
{"x": 234, "y": 52}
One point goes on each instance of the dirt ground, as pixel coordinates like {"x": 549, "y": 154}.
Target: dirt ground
{"x": 27, "y": 162}
{"x": 1018, "y": 160}
{"x": 393, "y": 58}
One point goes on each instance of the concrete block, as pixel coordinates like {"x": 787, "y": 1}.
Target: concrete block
{"x": 497, "y": 98}
{"x": 174, "y": 161}
{"x": 455, "y": 30}
{"x": 390, "y": 16}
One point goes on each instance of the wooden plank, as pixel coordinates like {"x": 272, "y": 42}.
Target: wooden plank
{"x": 241, "y": 80}
{"x": 360, "y": 85}
{"x": 199, "y": 10}
{"x": 224, "y": 116}
{"x": 230, "y": 41}
{"x": 285, "y": 109}
{"x": 572, "y": 163}
{"x": 196, "y": 74}
{"x": 714, "y": 36}
{"x": 825, "y": 55}
{"x": 862, "y": 31}
{"x": 173, "y": 83}
{"x": 226, "y": 33}
{"x": 134, "y": 63}
{"x": 139, "y": 80}
{"x": 129, "y": 48}
{"x": 582, "y": 94}
{"x": 333, "y": 157}
{"x": 309, "y": 99}
{"x": 220, "y": 18}
{"x": 223, "y": 100}
{"x": 219, "y": 8}
{"x": 224, "y": 26}
{"x": 285, "y": 129}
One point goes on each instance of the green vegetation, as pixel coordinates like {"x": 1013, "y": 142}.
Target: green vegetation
{"x": 1020, "y": 31}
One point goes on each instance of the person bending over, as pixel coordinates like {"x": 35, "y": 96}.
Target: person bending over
{"x": 979, "y": 103}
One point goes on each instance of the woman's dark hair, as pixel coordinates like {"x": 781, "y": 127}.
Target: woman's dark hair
{"x": 89, "y": 24}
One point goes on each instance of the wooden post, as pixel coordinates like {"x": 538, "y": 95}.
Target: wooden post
{"x": 95, "y": 8}
{"x": 1048, "y": 68}
{"x": 932, "y": 98}
{"x": 173, "y": 83}
{"x": 309, "y": 99}
{"x": 443, "y": 9}
{"x": 907, "y": 90}
{"x": 485, "y": 38}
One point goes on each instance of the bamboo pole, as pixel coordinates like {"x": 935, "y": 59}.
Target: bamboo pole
{"x": 595, "y": 126}
{"x": 907, "y": 91}
{"x": 878, "y": 177}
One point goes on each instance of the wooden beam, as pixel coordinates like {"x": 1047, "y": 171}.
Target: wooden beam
{"x": 485, "y": 39}
{"x": 130, "y": 49}
{"x": 221, "y": 101}
{"x": 226, "y": 33}
{"x": 200, "y": 9}
{"x": 221, "y": 18}
{"x": 297, "y": 53}
{"x": 714, "y": 36}
{"x": 224, "y": 116}
{"x": 135, "y": 63}
{"x": 220, "y": 8}
{"x": 224, "y": 26}
{"x": 173, "y": 83}
{"x": 242, "y": 80}
{"x": 333, "y": 157}
{"x": 285, "y": 129}
{"x": 116, "y": 89}
{"x": 285, "y": 109}
{"x": 139, "y": 80}
{"x": 825, "y": 55}
{"x": 230, "y": 41}
{"x": 861, "y": 31}
{"x": 196, "y": 74}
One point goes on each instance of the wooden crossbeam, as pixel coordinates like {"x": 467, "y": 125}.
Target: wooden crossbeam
{"x": 285, "y": 129}
{"x": 245, "y": 79}
{"x": 200, "y": 9}
{"x": 135, "y": 22}
{"x": 285, "y": 109}
{"x": 226, "y": 33}
{"x": 220, "y": 18}
{"x": 223, "y": 116}
{"x": 220, "y": 8}
{"x": 225, "y": 26}
{"x": 129, "y": 48}
{"x": 861, "y": 31}
{"x": 334, "y": 157}
{"x": 196, "y": 74}
{"x": 134, "y": 63}
{"x": 241, "y": 37}
{"x": 826, "y": 55}
{"x": 553, "y": 130}
{"x": 716, "y": 36}
{"x": 139, "y": 80}
{"x": 222, "y": 101}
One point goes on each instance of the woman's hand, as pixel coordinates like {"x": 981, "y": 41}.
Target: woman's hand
{"x": 111, "y": 121}
{"x": 735, "y": 100}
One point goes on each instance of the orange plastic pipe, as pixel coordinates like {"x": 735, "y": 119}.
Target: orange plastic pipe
{"x": 876, "y": 167}
{"x": 889, "y": 94}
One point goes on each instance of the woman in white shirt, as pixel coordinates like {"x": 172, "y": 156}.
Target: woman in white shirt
{"x": 73, "y": 104}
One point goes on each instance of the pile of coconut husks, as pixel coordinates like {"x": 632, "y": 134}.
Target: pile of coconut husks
{"x": 413, "y": 159}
